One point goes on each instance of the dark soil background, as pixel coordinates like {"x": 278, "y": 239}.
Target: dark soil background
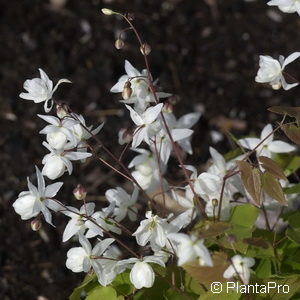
{"x": 205, "y": 52}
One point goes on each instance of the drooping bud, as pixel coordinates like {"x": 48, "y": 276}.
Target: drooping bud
{"x": 79, "y": 192}
{"x": 215, "y": 202}
{"x": 276, "y": 86}
{"x": 168, "y": 107}
{"x": 145, "y": 49}
{"x": 36, "y": 224}
{"x": 125, "y": 136}
{"x": 61, "y": 112}
{"x": 130, "y": 16}
{"x": 231, "y": 238}
{"x": 127, "y": 90}
{"x": 107, "y": 11}
{"x": 119, "y": 44}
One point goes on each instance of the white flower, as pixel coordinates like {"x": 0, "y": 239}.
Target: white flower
{"x": 141, "y": 95}
{"x": 78, "y": 219}
{"x": 267, "y": 147}
{"x": 104, "y": 222}
{"x": 146, "y": 124}
{"x": 287, "y": 6}
{"x": 58, "y": 131}
{"x": 57, "y": 161}
{"x": 124, "y": 203}
{"x": 190, "y": 248}
{"x": 153, "y": 230}
{"x": 30, "y": 204}
{"x": 147, "y": 171}
{"x": 40, "y": 89}
{"x": 82, "y": 259}
{"x": 142, "y": 274}
{"x": 80, "y": 130}
{"x": 270, "y": 70}
{"x": 240, "y": 266}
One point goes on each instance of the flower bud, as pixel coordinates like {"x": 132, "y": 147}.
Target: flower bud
{"x": 276, "y": 86}
{"x": 231, "y": 238}
{"x": 124, "y": 136}
{"x": 54, "y": 167}
{"x": 61, "y": 112}
{"x": 119, "y": 44}
{"x": 168, "y": 107}
{"x": 127, "y": 91}
{"x": 145, "y": 49}
{"x": 36, "y": 224}
{"x": 130, "y": 16}
{"x": 107, "y": 11}
{"x": 79, "y": 192}
{"x": 215, "y": 202}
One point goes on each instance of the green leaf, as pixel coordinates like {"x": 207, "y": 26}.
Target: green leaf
{"x": 264, "y": 269}
{"x": 89, "y": 278}
{"x": 122, "y": 284}
{"x": 192, "y": 286}
{"x": 293, "y": 235}
{"x": 295, "y": 189}
{"x": 292, "y": 281}
{"x": 172, "y": 294}
{"x": 272, "y": 167}
{"x": 289, "y": 163}
{"x": 244, "y": 215}
{"x": 102, "y": 292}
{"x": 223, "y": 295}
{"x": 273, "y": 188}
{"x": 233, "y": 154}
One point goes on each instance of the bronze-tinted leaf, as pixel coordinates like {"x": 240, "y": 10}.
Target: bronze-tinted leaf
{"x": 258, "y": 242}
{"x": 273, "y": 188}
{"x": 207, "y": 275}
{"x": 251, "y": 178}
{"x": 292, "y": 132}
{"x": 272, "y": 167}
{"x": 286, "y": 110}
{"x": 211, "y": 229}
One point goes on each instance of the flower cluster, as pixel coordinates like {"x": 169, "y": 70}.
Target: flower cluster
{"x": 205, "y": 201}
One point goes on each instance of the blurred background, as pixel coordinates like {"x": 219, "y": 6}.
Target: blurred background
{"x": 204, "y": 52}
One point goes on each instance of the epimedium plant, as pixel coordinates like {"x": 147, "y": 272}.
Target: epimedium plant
{"x": 238, "y": 221}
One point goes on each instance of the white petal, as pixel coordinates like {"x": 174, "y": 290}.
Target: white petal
{"x": 71, "y": 229}
{"x": 249, "y": 143}
{"x": 179, "y": 134}
{"x": 281, "y": 147}
{"x": 136, "y": 118}
{"x": 102, "y": 246}
{"x": 290, "y": 59}
{"x": 77, "y": 155}
{"x": 188, "y": 120}
{"x": 138, "y": 136}
{"x": 218, "y": 159}
{"x": 130, "y": 70}
{"x": 265, "y": 132}
{"x": 50, "y": 119}
{"x": 142, "y": 275}
{"x": 86, "y": 245}
{"x": 229, "y": 272}
{"x": 52, "y": 189}
{"x": 152, "y": 112}
{"x": 41, "y": 181}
